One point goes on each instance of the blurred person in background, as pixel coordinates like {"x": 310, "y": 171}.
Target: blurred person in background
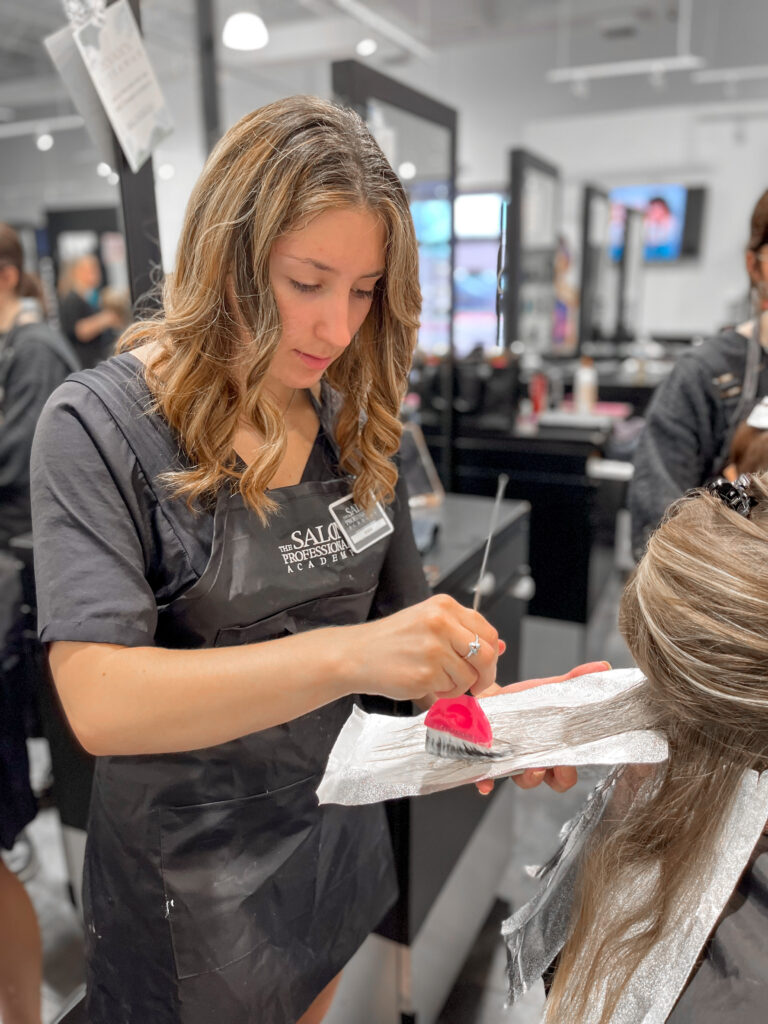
{"x": 34, "y": 360}
{"x": 694, "y": 412}
{"x": 91, "y": 330}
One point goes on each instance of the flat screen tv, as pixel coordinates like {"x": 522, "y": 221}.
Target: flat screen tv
{"x": 672, "y": 220}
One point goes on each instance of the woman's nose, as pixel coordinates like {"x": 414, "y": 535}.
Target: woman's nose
{"x": 334, "y": 326}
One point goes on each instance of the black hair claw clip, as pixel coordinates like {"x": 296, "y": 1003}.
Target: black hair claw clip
{"x": 733, "y": 493}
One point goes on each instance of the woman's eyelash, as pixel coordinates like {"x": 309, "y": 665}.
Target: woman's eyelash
{"x": 300, "y": 287}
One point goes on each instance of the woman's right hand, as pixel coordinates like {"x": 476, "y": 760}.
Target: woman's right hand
{"x": 421, "y": 651}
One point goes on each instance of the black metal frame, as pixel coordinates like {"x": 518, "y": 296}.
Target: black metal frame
{"x": 209, "y": 88}
{"x": 625, "y": 332}
{"x": 354, "y": 84}
{"x": 588, "y": 282}
{"x": 520, "y": 160}
{"x": 139, "y": 212}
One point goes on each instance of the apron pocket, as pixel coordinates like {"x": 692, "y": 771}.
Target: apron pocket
{"x": 336, "y": 610}
{"x": 238, "y": 874}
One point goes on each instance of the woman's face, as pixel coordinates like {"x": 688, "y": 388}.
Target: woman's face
{"x": 757, "y": 267}
{"x": 322, "y": 276}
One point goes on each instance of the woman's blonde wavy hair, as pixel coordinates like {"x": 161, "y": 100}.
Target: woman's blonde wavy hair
{"x": 695, "y": 617}
{"x": 272, "y": 172}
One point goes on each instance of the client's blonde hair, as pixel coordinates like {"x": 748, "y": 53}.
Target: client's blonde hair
{"x": 695, "y": 617}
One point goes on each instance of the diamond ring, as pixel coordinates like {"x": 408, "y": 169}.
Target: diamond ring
{"x": 474, "y": 648}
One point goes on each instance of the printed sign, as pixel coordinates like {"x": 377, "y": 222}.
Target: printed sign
{"x": 113, "y": 52}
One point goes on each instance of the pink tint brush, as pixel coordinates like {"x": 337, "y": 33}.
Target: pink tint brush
{"x": 457, "y": 727}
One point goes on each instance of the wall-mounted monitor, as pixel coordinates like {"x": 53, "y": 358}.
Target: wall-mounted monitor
{"x": 672, "y": 220}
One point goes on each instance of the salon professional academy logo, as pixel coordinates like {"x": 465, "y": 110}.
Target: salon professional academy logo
{"x": 315, "y": 546}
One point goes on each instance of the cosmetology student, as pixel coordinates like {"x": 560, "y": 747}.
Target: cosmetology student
{"x": 34, "y": 360}
{"x": 694, "y": 412}
{"x": 694, "y": 618}
{"x": 197, "y": 527}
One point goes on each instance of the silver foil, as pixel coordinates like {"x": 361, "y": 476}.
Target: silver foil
{"x": 378, "y": 757}
{"x": 535, "y": 933}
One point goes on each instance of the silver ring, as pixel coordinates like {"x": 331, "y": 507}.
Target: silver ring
{"x": 474, "y": 648}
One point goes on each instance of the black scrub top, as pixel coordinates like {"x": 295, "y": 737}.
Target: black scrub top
{"x": 72, "y": 308}
{"x": 110, "y": 546}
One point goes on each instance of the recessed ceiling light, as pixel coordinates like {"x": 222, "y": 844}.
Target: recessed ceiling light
{"x": 407, "y": 170}
{"x": 245, "y": 31}
{"x": 44, "y": 141}
{"x": 367, "y": 47}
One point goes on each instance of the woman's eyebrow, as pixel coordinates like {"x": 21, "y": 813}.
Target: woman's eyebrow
{"x": 330, "y": 270}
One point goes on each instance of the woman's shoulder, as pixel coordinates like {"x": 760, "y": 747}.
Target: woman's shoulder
{"x": 89, "y": 394}
{"x": 109, "y": 404}
{"x": 719, "y": 354}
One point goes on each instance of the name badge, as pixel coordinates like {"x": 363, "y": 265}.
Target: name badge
{"x": 360, "y": 528}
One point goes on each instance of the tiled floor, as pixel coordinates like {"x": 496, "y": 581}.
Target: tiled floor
{"x": 480, "y": 992}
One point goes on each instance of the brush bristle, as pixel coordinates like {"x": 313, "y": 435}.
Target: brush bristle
{"x": 443, "y": 744}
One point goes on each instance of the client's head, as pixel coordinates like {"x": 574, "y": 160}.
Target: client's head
{"x": 695, "y": 617}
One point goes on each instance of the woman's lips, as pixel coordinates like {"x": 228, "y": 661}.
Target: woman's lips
{"x": 314, "y": 362}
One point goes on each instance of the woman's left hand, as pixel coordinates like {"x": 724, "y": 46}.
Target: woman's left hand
{"x": 561, "y": 777}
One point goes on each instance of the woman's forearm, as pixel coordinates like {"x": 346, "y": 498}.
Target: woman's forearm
{"x": 149, "y": 700}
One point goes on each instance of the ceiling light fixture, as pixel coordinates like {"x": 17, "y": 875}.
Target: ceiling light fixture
{"x": 245, "y": 31}
{"x": 366, "y": 47}
{"x": 619, "y": 69}
{"x": 580, "y": 88}
{"x": 655, "y": 67}
{"x": 166, "y": 171}
{"x": 44, "y": 142}
{"x": 382, "y": 26}
{"x": 717, "y": 76}
{"x": 103, "y": 169}
{"x": 407, "y": 170}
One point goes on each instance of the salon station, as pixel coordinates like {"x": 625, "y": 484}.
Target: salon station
{"x": 580, "y": 177}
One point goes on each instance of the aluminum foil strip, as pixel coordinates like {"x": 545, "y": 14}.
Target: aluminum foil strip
{"x": 378, "y": 757}
{"x": 535, "y": 933}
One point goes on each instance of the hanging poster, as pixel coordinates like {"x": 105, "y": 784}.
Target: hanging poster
{"x": 113, "y": 52}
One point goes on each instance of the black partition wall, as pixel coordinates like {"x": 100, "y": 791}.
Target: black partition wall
{"x": 631, "y": 267}
{"x": 418, "y": 137}
{"x": 600, "y": 279}
{"x": 533, "y": 218}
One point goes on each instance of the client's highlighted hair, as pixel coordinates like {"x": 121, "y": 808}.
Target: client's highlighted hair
{"x": 695, "y": 617}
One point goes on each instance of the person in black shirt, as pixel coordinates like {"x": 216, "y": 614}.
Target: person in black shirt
{"x": 91, "y": 331}
{"x": 695, "y": 411}
{"x": 33, "y": 361}
{"x": 224, "y": 559}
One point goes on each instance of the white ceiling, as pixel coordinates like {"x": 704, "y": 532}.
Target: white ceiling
{"x": 503, "y": 45}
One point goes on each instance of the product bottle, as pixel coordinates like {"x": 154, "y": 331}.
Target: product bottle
{"x": 585, "y": 386}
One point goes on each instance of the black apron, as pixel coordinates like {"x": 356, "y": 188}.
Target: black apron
{"x": 216, "y": 890}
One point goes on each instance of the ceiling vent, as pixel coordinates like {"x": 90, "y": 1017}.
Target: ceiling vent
{"x": 618, "y": 28}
